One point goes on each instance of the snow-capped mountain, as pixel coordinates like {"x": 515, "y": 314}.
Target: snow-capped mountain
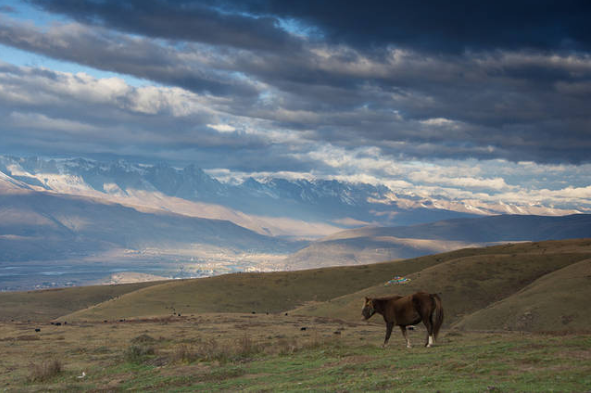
{"x": 272, "y": 206}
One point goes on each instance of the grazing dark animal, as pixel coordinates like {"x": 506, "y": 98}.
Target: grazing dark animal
{"x": 406, "y": 311}
{"x": 37, "y": 330}
{"x": 303, "y": 329}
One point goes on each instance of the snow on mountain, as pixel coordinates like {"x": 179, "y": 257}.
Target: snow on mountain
{"x": 303, "y": 208}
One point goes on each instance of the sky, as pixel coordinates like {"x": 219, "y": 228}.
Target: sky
{"x": 456, "y": 100}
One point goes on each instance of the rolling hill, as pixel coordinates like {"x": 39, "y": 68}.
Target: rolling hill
{"x": 470, "y": 282}
{"x": 536, "y": 286}
{"x": 559, "y": 300}
{"x": 373, "y": 244}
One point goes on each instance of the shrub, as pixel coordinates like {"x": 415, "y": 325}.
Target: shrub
{"x": 46, "y": 370}
{"x": 246, "y": 347}
{"x": 184, "y": 354}
{"x": 138, "y": 353}
{"x": 212, "y": 350}
{"x": 143, "y": 339}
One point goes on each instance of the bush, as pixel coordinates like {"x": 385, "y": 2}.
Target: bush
{"x": 143, "y": 339}
{"x": 212, "y": 350}
{"x": 46, "y": 370}
{"x": 184, "y": 354}
{"x": 246, "y": 347}
{"x": 138, "y": 353}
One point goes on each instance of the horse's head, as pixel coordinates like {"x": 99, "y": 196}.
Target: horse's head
{"x": 368, "y": 309}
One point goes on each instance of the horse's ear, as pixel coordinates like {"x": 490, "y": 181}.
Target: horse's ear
{"x": 367, "y": 299}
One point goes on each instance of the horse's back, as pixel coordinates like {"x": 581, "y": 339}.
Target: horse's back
{"x": 421, "y": 297}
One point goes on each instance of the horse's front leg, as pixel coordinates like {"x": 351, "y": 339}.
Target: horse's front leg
{"x": 389, "y": 330}
{"x": 404, "y": 331}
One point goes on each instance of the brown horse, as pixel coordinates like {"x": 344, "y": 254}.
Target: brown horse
{"x": 408, "y": 310}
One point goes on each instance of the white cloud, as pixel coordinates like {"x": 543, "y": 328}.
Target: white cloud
{"x": 223, "y": 128}
{"x": 43, "y": 122}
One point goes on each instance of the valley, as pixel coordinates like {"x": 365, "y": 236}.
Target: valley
{"x": 527, "y": 318}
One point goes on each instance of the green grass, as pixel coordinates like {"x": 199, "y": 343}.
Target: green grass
{"x": 269, "y": 353}
{"x": 469, "y": 363}
{"x": 474, "y": 366}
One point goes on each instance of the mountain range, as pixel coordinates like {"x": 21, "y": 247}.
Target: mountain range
{"x": 272, "y": 206}
{"x": 77, "y": 221}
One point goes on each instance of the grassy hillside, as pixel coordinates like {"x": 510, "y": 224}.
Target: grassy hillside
{"x": 247, "y": 292}
{"x": 471, "y": 283}
{"x": 48, "y": 304}
{"x": 468, "y": 280}
{"x": 559, "y": 300}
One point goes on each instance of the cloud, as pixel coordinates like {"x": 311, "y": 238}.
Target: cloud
{"x": 429, "y": 26}
{"x": 7, "y": 9}
{"x": 182, "y": 20}
{"x": 434, "y": 26}
{"x": 460, "y": 101}
{"x": 222, "y": 128}
{"x": 135, "y": 56}
{"x": 53, "y": 113}
{"x": 517, "y": 105}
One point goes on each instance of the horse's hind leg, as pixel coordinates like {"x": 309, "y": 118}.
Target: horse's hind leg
{"x": 389, "y": 330}
{"x": 427, "y": 321}
{"x": 404, "y": 331}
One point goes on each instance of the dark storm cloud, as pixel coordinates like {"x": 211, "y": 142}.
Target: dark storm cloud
{"x": 440, "y": 26}
{"x": 434, "y": 26}
{"x": 469, "y": 79}
{"x": 178, "y": 20}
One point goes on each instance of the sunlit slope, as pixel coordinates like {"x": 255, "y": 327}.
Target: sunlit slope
{"x": 51, "y": 303}
{"x": 471, "y": 283}
{"x": 557, "y": 301}
{"x": 259, "y": 292}
{"x": 373, "y": 244}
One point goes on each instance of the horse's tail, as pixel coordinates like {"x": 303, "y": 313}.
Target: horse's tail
{"x": 437, "y": 315}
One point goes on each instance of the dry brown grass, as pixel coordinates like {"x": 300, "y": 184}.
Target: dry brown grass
{"x": 138, "y": 353}
{"x": 45, "y": 370}
{"x": 215, "y": 348}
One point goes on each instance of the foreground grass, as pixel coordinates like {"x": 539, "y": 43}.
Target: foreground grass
{"x": 270, "y": 353}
